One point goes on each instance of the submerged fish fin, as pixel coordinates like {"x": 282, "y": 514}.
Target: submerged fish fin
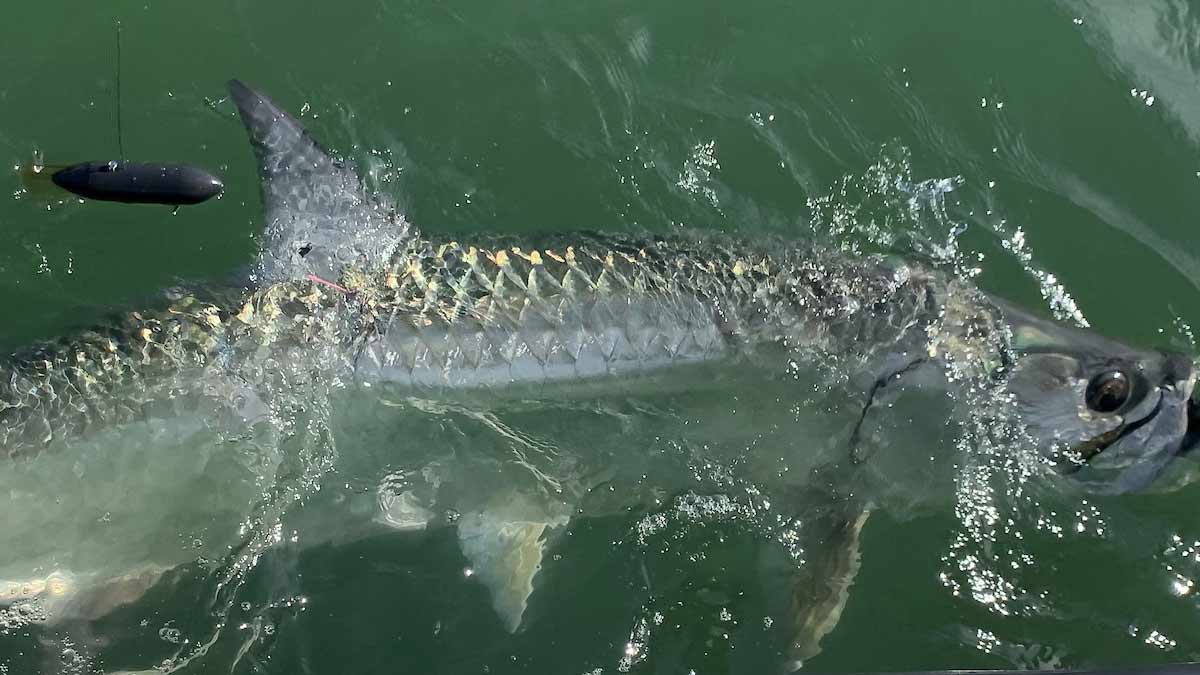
{"x": 319, "y": 216}
{"x": 65, "y": 596}
{"x": 812, "y": 584}
{"x": 818, "y": 594}
{"x": 505, "y": 555}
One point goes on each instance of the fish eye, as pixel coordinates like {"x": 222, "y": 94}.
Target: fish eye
{"x": 1107, "y": 392}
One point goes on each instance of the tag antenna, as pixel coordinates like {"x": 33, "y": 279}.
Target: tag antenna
{"x": 120, "y": 136}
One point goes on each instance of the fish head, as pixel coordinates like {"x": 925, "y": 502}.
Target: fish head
{"x": 1110, "y": 417}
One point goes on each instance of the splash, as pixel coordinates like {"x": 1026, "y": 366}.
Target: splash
{"x": 987, "y": 554}
{"x": 295, "y": 384}
{"x": 1053, "y": 292}
{"x": 886, "y": 209}
{"x": 637, "y": 646}
{"x": 697, "y": 177}
{"x": 719, "y": 494}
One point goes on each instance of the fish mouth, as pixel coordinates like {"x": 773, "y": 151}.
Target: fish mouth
{"x": 1191, "y": 437}
{"x": 1133, "y": 457}
{"x": 1078, "y": 456}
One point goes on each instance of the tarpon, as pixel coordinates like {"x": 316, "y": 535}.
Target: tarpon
{"x": 347, "y": 298}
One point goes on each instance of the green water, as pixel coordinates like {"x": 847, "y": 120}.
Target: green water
{"x": 1076, "y": 123}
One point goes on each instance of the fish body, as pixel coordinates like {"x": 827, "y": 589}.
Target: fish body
{"x": 454, "y": 315}
{"x": 451, "y": 315}
{"x": 173, "y": 417}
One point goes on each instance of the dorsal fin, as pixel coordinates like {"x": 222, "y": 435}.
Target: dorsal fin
{"x": 319, "y": 217}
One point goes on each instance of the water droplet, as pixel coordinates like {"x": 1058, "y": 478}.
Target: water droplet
{"x": 170, "y": 634}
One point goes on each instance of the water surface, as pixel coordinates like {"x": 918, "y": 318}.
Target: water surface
{"x": 1053, "y": 146}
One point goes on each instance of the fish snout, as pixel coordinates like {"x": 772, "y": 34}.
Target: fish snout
{"x": 1179, "y": 378}
{"x": 1191, "y": 437}
{"x": 1179, "y": 372}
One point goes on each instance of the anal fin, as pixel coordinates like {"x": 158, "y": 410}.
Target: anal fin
{"x": 505, "y": 555}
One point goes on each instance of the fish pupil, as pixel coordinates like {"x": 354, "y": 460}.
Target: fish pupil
{"x": 1107, "y": 392}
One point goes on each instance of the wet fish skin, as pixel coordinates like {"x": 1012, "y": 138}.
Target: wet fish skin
{"x": 454, "y": 315}
{"x": 460, "y": 315}
{"x": 111, "y": 374}
{"x": 198, "y": 349}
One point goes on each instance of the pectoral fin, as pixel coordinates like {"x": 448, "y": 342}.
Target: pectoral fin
{"x": 818, "y": 592}
{"x": 505, "y": 555}
{"x": 809, "y": 592}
